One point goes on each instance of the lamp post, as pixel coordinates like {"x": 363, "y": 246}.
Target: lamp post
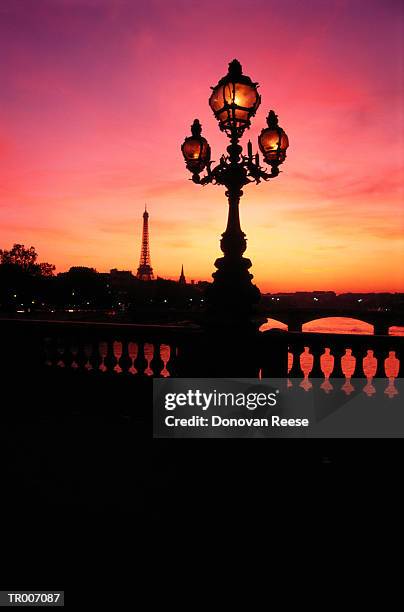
{"x": 234, "y": 101}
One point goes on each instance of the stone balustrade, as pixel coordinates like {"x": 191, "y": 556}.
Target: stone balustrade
{"x": 325, "y": 355}
{"x": 95, "y": 348}
{"x": 157, "y": 350}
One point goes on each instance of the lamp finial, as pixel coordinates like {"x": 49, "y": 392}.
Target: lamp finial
{"x": 196, "y": 128}
{"x": 235, "y": 69}
{"x": 272, "y": 120}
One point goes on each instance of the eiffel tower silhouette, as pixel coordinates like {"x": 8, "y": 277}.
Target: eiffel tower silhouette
{"x": 145, "y": 271}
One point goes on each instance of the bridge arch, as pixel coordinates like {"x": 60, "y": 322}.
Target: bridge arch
{"x": 273, "y": 324}
{"x": 339, "y": 325}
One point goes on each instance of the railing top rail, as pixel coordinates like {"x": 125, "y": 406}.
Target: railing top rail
{"x": 92, "y": 328}
{"x": 95, "y": 323}
{"x": 176, "y": 327}
{"x": 324, "y": 337}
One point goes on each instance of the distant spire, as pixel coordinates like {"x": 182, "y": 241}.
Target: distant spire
{"x": 181, "y": 279}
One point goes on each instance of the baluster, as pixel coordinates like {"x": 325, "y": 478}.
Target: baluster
{"x": 148, "y": 353}
{"x": 58, "y": 354}
{"x": 171, "y": 365}
{"x": 327, "y": 363}
{"x": 306, "y": 362}
{"x": 157, "y": 364}
{"x": 117, "y": 347}
{"x": 165, "y": 356}
{"x": 125, "y": 360}
{"x": 392, "y": 364}
{"x": 103, "y": 348}
{"x": 64, "y": 355}
{"x": 369, "y": 366}
{"x": 81, "y": 357}
{"x": 87, "y": 351}
{"x": 140, "y": 361}
{"x": 349, "y": 364}
{"x": 95, "y": 358}
{"x": 71, "y": 355}
{"x": 133, "y": 350}
{"x": 68, "y": 354}
{"x": 110, "y": 360}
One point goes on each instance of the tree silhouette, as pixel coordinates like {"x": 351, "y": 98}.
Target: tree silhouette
{"x": 26, "y": 259}
{"x": 46, "y": 269}
{"x": 19, "y": 256}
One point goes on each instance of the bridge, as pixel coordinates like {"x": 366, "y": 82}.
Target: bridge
{"x": 295, "y": 318}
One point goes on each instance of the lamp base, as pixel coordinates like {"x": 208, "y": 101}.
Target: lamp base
{"x": 232, "y": 296}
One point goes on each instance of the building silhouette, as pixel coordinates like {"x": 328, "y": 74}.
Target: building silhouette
{"x": 145, "y": 271}
{"x": 182, "y": 280}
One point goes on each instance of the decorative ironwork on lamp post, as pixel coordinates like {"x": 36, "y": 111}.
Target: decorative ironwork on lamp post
{"x": 234, "y": 101}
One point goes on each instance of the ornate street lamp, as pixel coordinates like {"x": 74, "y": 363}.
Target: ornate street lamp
{"x": 273, "y": 141}
{"x": 196, "y": 150}
{"x": 234, "y": 101}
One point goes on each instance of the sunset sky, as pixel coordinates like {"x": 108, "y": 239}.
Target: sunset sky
{"x": 97, "y": 96}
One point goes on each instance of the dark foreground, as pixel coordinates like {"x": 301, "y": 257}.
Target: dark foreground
{"x": 81, "y": 473}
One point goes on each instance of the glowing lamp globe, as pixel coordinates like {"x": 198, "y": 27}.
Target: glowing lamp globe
{"x": 273, "y": 141}
{"x": 234, "y": 100}
{"x": 195, "y": 149}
